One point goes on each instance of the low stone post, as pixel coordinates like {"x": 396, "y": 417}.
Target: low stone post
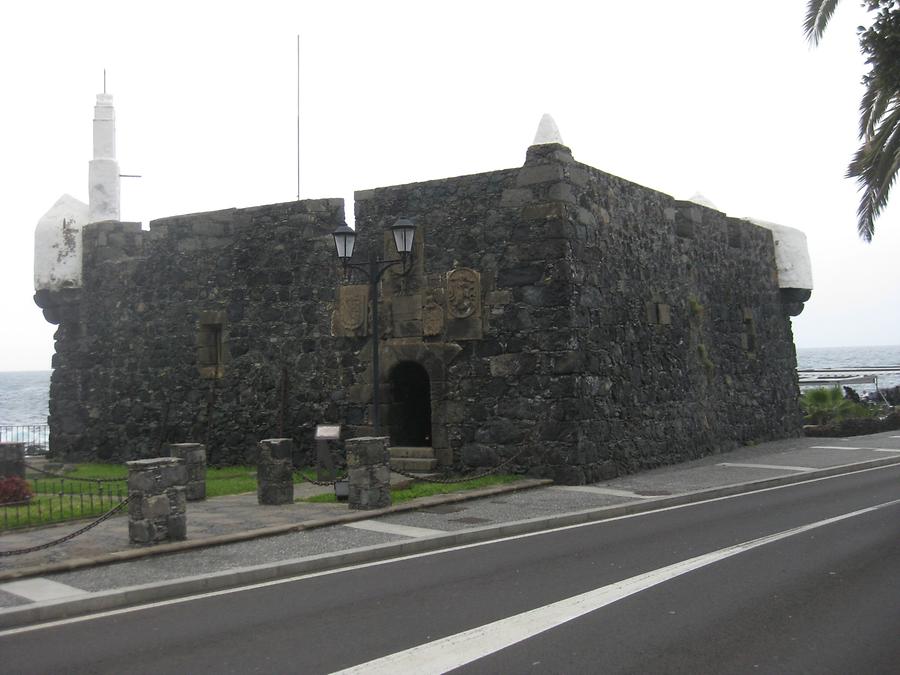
{"x": 368, "y": 465}
{"x": 156, "y": 500}
{"x": 275, "y": 471}
{"x": 12, "y": 459}
{"x": 194, "y": 456}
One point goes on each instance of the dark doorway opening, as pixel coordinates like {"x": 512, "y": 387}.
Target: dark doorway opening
{"x": 409, "y": 411}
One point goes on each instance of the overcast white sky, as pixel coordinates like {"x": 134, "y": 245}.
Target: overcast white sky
{"x": 716, "y": 96}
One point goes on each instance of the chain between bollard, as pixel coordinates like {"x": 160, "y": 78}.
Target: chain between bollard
{"x": 70, "y": 536}
{"x": 73, "y": 478}
{"x": 459, "y": 479}
{"x": 321, "y": 483}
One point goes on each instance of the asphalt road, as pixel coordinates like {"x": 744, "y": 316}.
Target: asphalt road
{"x": 616, "y": 596}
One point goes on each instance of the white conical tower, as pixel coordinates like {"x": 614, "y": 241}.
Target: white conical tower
{"x": 547, "y": 132}
{"x": 103, "y": 185}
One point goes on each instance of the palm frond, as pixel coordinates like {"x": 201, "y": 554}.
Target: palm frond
{"x": 875, "y": 167}
{"x": 872, "y": 108}
{"x": 818, "y": 14}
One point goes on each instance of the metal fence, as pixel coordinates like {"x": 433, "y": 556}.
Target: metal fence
{"x": 55, "y": 499}
{"x": 36, "y": 437}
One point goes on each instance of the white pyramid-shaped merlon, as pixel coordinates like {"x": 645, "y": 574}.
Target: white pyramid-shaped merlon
{"x": 703, "y": 201}
{"x": 547, "y": 132}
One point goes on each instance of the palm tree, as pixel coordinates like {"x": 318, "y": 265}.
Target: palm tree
{"x": 823, "y": 405}
{"x": 876, "y": 163}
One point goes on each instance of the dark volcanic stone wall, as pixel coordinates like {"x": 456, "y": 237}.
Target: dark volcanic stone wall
{"x": 569, "y": 321}
{"x": 621, "y": 329}
{"x": 127, "y": 373}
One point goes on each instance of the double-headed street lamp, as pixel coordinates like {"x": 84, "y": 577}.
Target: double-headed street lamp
{"x": 344, "y": 240}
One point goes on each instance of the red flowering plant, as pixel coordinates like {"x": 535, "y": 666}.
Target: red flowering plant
{"x": 14, "y": 489}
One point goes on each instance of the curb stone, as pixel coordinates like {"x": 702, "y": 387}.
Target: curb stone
{"x": 167, "y": 590}
{"x": 272, "y": 530}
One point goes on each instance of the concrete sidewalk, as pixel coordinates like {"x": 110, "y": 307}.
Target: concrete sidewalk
{"x": 231, "y": 539}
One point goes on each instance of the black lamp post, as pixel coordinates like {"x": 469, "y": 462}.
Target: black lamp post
{"x": 344, "y": 240}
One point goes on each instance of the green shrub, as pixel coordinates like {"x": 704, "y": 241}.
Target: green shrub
{"x": 825, "y": 405}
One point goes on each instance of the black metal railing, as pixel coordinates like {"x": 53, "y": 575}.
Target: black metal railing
{"x": 36, "y": 437}
{"x": 55, "y": 500}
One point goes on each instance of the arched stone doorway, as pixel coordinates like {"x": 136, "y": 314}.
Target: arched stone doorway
{"x": 409, "y": 409}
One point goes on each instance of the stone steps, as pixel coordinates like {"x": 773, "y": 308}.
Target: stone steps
{"x": 413, "y": 459}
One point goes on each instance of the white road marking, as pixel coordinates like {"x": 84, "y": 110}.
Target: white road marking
{"x": 595, "y": 489}
{"x": 39, "y": 589}
{"x": 777, "y": 467}
{"x": 840, "y": 447}
{"x": 457, "y": 650}
{"x": 412, "y": 556}
{"x": 391, "y": 528}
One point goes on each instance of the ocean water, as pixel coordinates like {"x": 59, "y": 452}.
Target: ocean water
{"x": 854, "y": 357}
{"x": 23, "y": 395}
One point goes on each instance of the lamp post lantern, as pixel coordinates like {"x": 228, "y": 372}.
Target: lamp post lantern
{"x": 344, "y": 240}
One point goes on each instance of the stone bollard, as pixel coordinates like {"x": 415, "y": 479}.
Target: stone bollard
{"x": 12, "y": 459}
{"x": 194, "y": 456}
{"x": 156, "y": 500}
{"x": 275, "y": 471}
{"x": 368, "y": 464}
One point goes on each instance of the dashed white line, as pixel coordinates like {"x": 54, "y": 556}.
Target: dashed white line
{"x": 776, "y": 467}
{"x": 39, "y": 589}
{"x": 391, "y": 528}
{"x": 844, "y": 447}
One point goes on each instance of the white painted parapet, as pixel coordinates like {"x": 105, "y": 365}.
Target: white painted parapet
{"x": 791, "y": 255}
{"x": 103, "y": 180}
{"x": 57, "y": 245}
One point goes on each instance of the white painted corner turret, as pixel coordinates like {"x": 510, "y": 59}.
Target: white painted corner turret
{"x": 547, "y": 132}
{"x": 57, "y": 245}
{"x": 103, "y": 180}
{"x": 791, "y": 255}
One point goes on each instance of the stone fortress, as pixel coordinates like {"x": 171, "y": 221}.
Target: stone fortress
{"x": 580, "y": 324}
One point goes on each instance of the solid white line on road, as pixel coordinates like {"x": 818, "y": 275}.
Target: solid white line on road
{"x": 412, "y": 556}
{"x": 595, "y": 489}
{"x": 39, "y": 589}
{"x": 460, "y": 649}
{"x": 777, "y": 467}
{"x": 884, "y": 449}
{"x": 391, "y": 528}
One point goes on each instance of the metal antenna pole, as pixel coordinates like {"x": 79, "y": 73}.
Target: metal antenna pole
{"x": 104, "y": 80}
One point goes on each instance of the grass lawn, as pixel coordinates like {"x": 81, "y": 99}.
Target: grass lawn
{"x": 56, "y": 500}
{"x": 45, "y": 509}
{"x": 427, "y": 489}
{"x": 228, "y": 480}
